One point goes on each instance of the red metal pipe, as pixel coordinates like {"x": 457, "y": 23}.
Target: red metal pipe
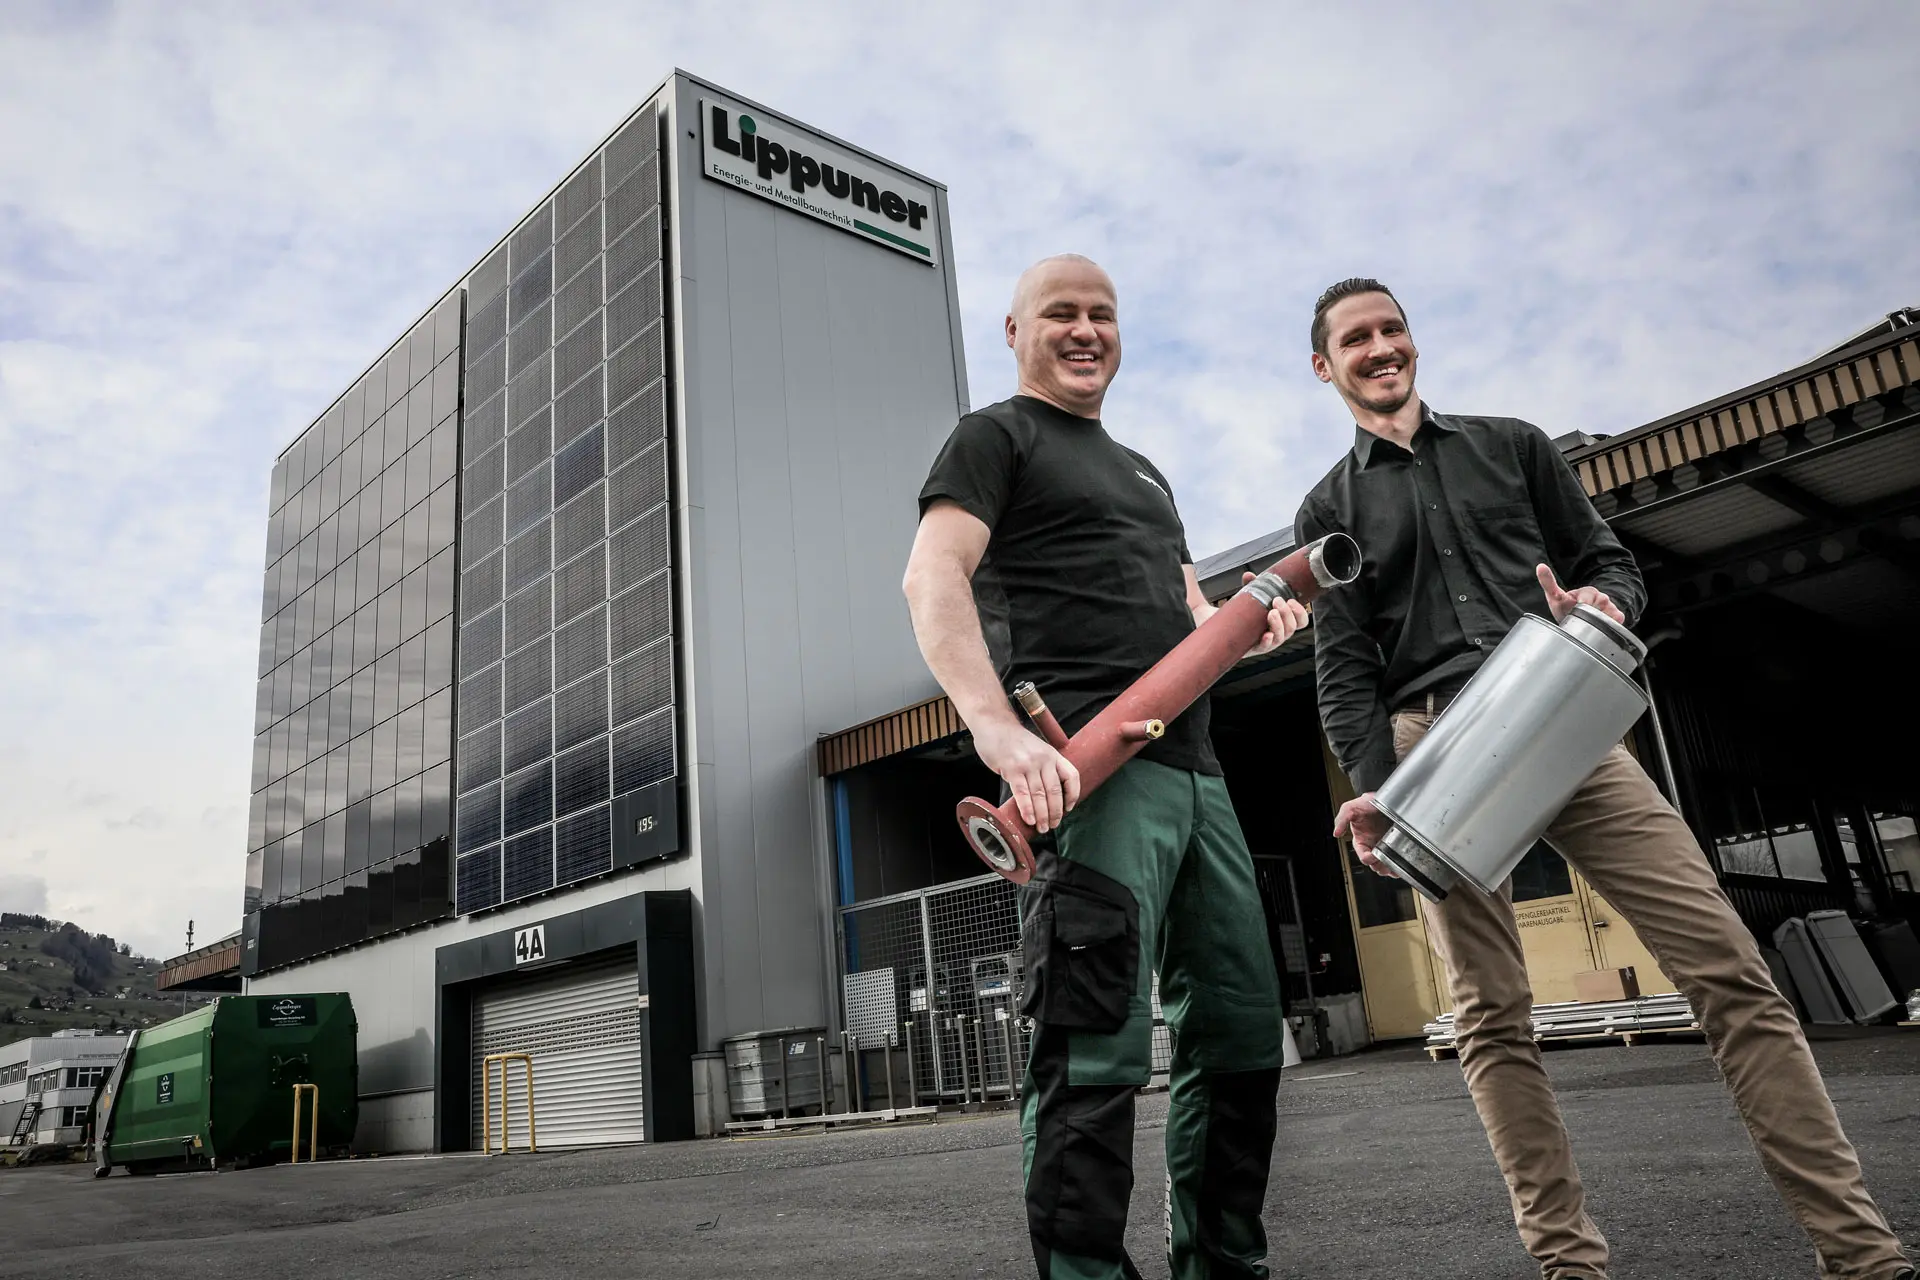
{"x": 998, "y": 833}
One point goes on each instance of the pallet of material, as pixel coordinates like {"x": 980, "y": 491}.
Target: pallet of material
{"x": 1626, "y": 1021}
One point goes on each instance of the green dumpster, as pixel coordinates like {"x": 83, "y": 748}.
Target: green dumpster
{"x": 216, "y": 1087}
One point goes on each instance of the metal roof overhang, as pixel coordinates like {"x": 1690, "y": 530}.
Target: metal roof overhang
{"x": 214, "y": 967}
{"x": 1806, "y": 485}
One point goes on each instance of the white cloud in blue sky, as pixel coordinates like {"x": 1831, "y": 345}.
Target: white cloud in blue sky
{"x": 213, "y": 216}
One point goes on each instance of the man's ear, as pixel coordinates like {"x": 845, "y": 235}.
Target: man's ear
{"x": 1321, "y": 369}
{"x": 1010, "y": 330}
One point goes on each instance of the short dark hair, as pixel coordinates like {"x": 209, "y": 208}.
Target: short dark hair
{"x": 1345, "y": 289}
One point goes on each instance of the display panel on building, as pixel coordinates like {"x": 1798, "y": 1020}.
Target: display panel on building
{"x": 352, "y": 777}
{"x": 566, "y": 639}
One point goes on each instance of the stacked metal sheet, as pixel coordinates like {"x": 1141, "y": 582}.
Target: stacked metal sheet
{"x": 1600, "y": 1018}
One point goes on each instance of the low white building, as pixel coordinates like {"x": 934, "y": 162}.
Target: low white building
{"x": 56, "y": 1076}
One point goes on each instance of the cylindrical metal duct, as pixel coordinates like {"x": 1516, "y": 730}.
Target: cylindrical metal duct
{"x": 1505, "y": 757}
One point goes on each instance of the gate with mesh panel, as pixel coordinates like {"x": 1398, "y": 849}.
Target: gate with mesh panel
{"x": 937, "y": 972}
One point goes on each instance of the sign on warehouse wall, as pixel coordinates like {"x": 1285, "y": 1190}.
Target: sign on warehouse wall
{"x": 808, "y": 175}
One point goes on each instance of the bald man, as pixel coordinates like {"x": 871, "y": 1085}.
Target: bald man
{"x": 1049, "y": 552}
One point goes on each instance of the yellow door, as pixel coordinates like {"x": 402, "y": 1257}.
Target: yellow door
{"x": 1548, "y": 907}
{"x": 1617, "y": 946}
{"x": 1553, "y": 934}
{"x": 1399, "y": 977}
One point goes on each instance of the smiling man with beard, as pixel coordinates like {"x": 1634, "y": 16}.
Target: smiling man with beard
{"x": 1049, "y": 552}
{"x": 1469, "y": 522}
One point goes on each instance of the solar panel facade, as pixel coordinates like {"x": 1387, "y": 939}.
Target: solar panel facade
{"x": 351, "y": 812}
{"x": 566, "y": 627}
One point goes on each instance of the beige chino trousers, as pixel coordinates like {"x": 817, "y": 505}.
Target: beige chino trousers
{"x": 1636, "y": 851}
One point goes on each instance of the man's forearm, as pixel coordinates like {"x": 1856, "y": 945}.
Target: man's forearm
{"x": 1361, "y": 735}
{"x": 947, "y": 626}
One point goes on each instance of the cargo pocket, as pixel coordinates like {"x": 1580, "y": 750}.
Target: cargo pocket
{"x": 1081, "y": 945}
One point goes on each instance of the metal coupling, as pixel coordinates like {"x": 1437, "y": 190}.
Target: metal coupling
{"x": 1333, "y": 560}
{"x": 1267, "y": 588}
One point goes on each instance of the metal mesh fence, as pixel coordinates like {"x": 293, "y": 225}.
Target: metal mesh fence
{"x": 938, "y": 971}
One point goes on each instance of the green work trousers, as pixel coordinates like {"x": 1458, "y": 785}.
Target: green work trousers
{"x": 1149, "y": 872}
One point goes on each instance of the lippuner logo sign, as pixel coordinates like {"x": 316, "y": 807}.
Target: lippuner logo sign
{"x": 810, "y": 176}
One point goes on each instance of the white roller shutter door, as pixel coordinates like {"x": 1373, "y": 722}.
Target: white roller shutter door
{"x": 582, "y": 1027}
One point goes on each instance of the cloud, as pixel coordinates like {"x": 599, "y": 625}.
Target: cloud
{"x": 213, "y": 216}
{"x": 24, "y": 894}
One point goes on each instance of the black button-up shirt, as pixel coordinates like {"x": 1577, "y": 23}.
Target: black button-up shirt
{"x": 1450, "y": 531}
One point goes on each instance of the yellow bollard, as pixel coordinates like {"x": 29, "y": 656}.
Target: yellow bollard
{"x": 486, "y": 1101}
{"x": 313, "y": 1140}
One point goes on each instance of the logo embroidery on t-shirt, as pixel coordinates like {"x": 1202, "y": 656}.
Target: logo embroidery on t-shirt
{"x": 1155, "y": 483}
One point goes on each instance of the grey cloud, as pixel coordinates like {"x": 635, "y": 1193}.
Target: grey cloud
{"x": 22, "y": 893}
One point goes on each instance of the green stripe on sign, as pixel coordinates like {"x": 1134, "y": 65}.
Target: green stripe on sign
{"x": 902, "y": 241}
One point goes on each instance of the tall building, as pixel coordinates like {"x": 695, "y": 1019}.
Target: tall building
{"x": 559, "y": 594}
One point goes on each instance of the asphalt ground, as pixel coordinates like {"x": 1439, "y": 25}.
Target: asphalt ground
{"x": 1380, "y": 1171}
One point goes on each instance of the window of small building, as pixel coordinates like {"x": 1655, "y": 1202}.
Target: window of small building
{"x": 1541, "y": 874}
{"x": 1782, "y": 853}
{"x": 1377, "y": 899}
{"x": 1900, "y": 843}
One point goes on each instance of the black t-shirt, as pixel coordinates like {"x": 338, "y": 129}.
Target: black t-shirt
{"x": 1082, "y": 587}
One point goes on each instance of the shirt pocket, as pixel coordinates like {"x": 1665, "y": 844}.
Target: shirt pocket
{"x": 1505, "y": 538}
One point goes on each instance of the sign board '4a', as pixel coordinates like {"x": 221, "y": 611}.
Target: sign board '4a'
{"x": 530, "y": 944}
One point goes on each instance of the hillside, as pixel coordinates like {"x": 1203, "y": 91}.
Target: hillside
{"x": 54, "y": 976}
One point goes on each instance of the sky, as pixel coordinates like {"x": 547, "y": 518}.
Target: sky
{"x": 213, "y": 216}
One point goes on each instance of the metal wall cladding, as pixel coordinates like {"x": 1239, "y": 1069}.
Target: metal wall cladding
{"x": 819, "y": 370}
{"x": 352, "y": 779}
{"x": 566, "y": 489}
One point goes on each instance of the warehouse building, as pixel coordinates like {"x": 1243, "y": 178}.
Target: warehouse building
{"x": 559, "y": 594}
{"x": 47, "y": 1084}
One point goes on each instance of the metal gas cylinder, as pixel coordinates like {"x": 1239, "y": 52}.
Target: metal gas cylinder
{"x": 1508, "y": 753}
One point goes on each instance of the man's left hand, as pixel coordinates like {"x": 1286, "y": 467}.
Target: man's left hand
{"x": 1562, "y": 601}
{"x": 1283, "y": 619}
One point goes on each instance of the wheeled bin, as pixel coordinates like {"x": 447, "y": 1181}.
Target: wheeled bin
{"x": 216, "y": 1087}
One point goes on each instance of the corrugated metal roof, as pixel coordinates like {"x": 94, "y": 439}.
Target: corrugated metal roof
{"x": 1263, "y": 551}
